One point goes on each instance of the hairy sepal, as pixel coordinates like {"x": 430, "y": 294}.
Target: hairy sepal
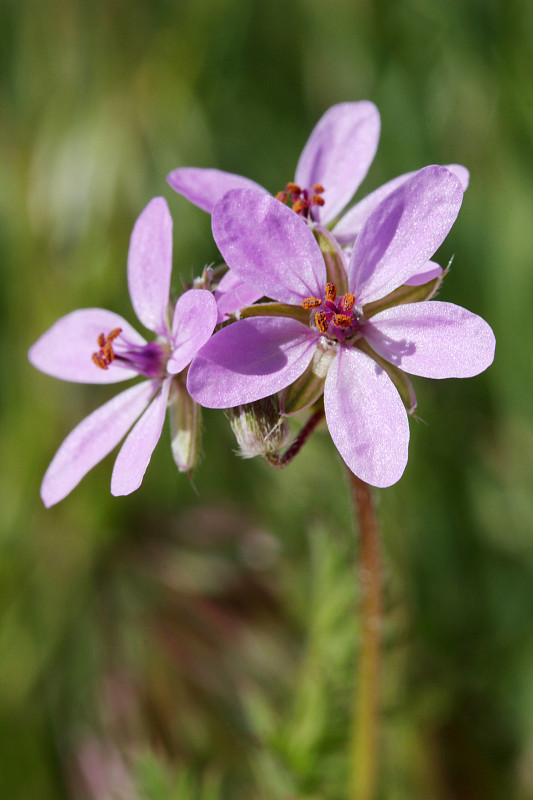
{"x": 185, "y": 426}
{"x": 310, "y": 385}
{"x": 331, "y": 252}
{"x": 404, "y": 294}
{"x": 398, "y": 377}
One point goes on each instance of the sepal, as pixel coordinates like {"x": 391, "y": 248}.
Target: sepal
{"x": 404, "y": 294}
{"x": 397, "y": 376}
{"x": 273, "y": 310}
{"x": 310, "y": 385}
{"x": 259, "y": 427}
{"x": 332, "y": 254}
{"x": 185, "y": 426}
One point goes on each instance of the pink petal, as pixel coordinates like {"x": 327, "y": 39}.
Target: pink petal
{"x": 427, "y": 273}
{"x": 268, "y": 246}
{"x": 366, "y": 418}
{"x": 250, "y": 359}
{"x": 136, "y": 452}
{"x": 350, "y": 224}
{"x": 65, "y": 350}
{"x": 432, "y": 339}
{"x": 93, "y": 439}
{"x": 403, "y": 232}
{"x": 195, "y": 318}
{"x": 232, "y": 294}
{"x": 205, "y": 187}
{"x": 150, "y": 265}
{"x": 338, "y": 154}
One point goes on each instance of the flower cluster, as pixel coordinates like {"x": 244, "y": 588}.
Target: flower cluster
{"x": 316, "y": 309}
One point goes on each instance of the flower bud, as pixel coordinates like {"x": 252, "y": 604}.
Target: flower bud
{"x": 185, "y": 424}
{"x": 259, "y": 428}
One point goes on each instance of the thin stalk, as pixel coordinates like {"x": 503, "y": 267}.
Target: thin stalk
{"x": 364, "y": 744}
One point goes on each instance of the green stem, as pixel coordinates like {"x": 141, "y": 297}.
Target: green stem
{"x": 364, "y": 745}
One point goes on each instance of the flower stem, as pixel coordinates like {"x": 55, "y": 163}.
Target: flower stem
{"x": 277, "y": 461}
{"x": 364, "y": 744}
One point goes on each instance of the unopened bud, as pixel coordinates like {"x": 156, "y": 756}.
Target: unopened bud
{"x": 259, "y": 428}
{"x": 185, "y": 424}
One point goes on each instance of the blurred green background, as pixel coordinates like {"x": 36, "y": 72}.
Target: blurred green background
{"x": 199, "y": 640}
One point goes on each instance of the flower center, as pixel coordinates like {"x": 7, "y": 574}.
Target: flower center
{"x": 146, "y": 359}
{"x": 302, "y": 200}
{"x": 337, "y": 318}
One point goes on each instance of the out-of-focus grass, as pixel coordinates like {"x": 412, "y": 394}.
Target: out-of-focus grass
{"x": 200, "y": 644}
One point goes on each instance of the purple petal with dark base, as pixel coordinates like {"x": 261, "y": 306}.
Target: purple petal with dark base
{"x": 338, "y": 154}
{"x": 205, "y": 187}
{"x": 366, "y": 418}
{"x": 65, "y": 350}
{"x": 350, "y": 224}
{"x": 195, "y": 317}
{"x": 93, "y": 439}
{"x": 250, "y": 359}
{"x": 403, "y": 232}
{"x": 136, "y": 452}
{"x": 432, "y": 339}
{"x": 232, "y": 294}
{"x": 150, "y": 265}
{"x": 268, "y": 246}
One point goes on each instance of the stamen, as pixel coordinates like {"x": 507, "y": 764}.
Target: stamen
{"x": 321, "y": 321}
{"x": 311, "y": 302}
{"x": 282, "y": 196}
{"x": 318, "y": 188}
{"x": 331, "y": 292}
{"x": 347, "y": 302}
{"x": 293, "y": 188}
{"x": 300, "y": 206}
{"x": 316, "y": 200}
{"x": 342, "y": 320}
{"x": 99, "y": 361}
{"x": 105, "y": 355}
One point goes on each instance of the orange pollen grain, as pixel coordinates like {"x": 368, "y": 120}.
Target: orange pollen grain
{"x": 282, "y": 196}
{"x": 342, "y": 320}
{"x": 113, "y": 334}
{"x": 101, "y": 340}
{"x": 311, "y": 302}
{"x": 293, "y": 188}
{"x": 318, "y": 188}
{"x": 316, "y": 200}
{"x": 321, "y": 321}
{"x": 331, "y": 291}
{"x": 348, "y": 301}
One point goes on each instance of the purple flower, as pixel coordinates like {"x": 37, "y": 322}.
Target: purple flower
{"x": 331, "y": 167}
{"x": 353, "y": 334}
{"x": 92, "y": 345}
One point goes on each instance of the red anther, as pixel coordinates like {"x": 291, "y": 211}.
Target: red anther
{"x": 293, "y": 188}
{"x": 282, "y": 196}
{"x": 342, "y": 320}
{"x": 299, "y": 206}
{"x": 113, "y": 334}
{"x": 318, "y": 188}
{"x": 331, "y": 292}
{"x": 321, "y": 321}
{"x": 101, "y": 340}
{"x": 347, "y": 302}
{"x": 316, "y": 200}
{"x": 99, "y": 361}
{"x": 311, "y": 302}
{"x": 108, "y": 353}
